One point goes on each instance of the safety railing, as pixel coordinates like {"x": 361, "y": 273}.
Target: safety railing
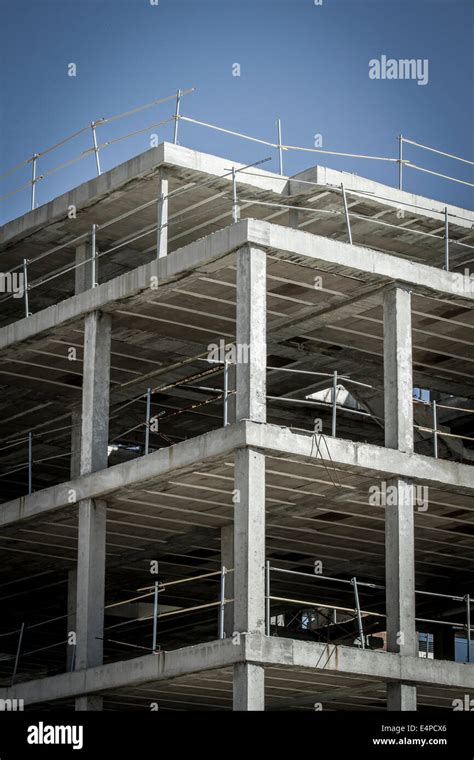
{"x": 434, "y": 430}
{"x": 155, "y": 592}
{"x": 95, "y": 148}
{"x": 402, "y": 162}
{"x": 357, "y": 611}
{"x": 279, "y": 146}
{"x": 17, "y": 281}
{"x": 151, "y": 422}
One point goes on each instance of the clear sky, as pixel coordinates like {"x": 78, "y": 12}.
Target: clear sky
{"x": 307, "y": 64}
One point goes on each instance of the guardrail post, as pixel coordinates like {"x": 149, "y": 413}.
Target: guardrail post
{"x": 267, "y": 598}
{"x": 96, "y": 148}
{"x": 94, "y": 256}
{"x": 400, "y": 162}
{"x": 147, "y": 423}
{"x": 30, "y": 463}
{"x": 25, "y": 288}
{"x": 235, "y": 205}
{"x": 155, "y": 615}
{"x": 346, "y": 213}
{"x": 226, "y": 392}
{"x": 221, "y": 634}
{"x": 334, "y": 403}
{"x": 33, "y": 180}
{"x": 17, "y": 657}
{"x": 176, "y": 117}
{"x": 359, "y": 616}
{"x": 435, "y": 430}
{"x": 280, "y": 150}
{"x": 468, "y": 626}
{"x": 446, "y": 239}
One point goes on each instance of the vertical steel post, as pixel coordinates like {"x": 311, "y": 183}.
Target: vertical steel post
{"x": 267, "y": 598}
{"x": 155, "y": 615}
{"x": 334, "y": 403}
{"x": 220, "y": 631}
{"x": 359, "y": 616}
{"x": 96, "y": 148}
{"x": 226, "y": 392}
{"x": 400, "y": 162}
{"x": 160, "y": 245}
{"x": 346, "y": 213}
{"x": 20, "y": 639}
{"x": 468, "y": 626}
{"x": 176, "y": 117}
{"x": 25, "y": 287}
{"x": 435, "y": 429}
{"x": 235, "y": 205}
{"x": 280, "y": 150}
{"x": 147, "y": 423}
{"x": 33, "y": 180}
{"x": 446, "y": 239}
{"x": 94, "y": 255}
{"x": 30, "y": 463}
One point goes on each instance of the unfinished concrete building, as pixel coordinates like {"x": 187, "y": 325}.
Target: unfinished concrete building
{"x": 236, "y": 449}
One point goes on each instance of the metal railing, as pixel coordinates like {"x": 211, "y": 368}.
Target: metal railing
{"x": 95, "y": 147}
{"x": 359, "y": 613}
{"x": 26, "y": 286}
{"x": 158, "y": 588}
{"x": 175, "y": 118}
{"x": 151, "y": 422}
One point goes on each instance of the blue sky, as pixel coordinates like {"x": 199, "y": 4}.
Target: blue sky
{"x": 304, "y": 63}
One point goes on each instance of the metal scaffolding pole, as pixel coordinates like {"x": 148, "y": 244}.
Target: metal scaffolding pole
{"x": 176, "y": 117}
{"x": 334, "y": 404}
{"x": 359, "y": 616}
{"x": 155, "y": 615}
{"x": 96, "y": 148}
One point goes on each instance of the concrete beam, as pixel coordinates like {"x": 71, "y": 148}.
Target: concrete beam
{"x": 140, "y": 670}
{"x": 382, "y": 267}
{"x": 205, "y": 255}
{"x": 186, "y": 454}
{"x": 375, "y": 461}
{"x": 251, "y": 648}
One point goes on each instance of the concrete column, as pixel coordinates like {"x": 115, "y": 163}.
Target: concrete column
{"x": 162, "y": 215}
{"x": 92, "y": 513}
{"x": 95, "y": 392}
{"x": 76, "y": 421}
{"x": 294, "y": 218}
{"x": 399, "y": 517}
{"x": 251, "y": 334}
{"x": 227, "y": 560}
{"x": 249, "y": 572}
{"x": 249, "y": 691}
{"x": 83, "y": 273}
{"x": 71, "y": 617}
{"x": 398, "y": 381}
{"x": 90, "y": 592}
{"x": 400, "y": 586}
